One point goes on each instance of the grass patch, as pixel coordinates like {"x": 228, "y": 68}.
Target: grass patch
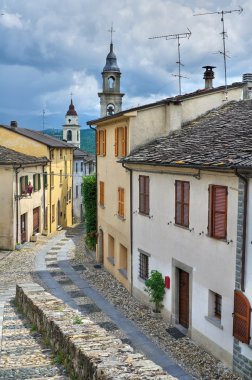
{"x": 77, "y": 320}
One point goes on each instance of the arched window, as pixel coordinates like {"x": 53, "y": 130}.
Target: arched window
{"x": 111, "y": 81}
{"x": 78, "y": 137}
{"x": 110, "y": 109}
{"x": 69, "y": 135}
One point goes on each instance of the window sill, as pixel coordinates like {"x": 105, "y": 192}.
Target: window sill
{"x": 141, "y": 279}
{"x": 181, "y": 226}
{"x": 123, "y": 272}
{"x": 121, "y": 218}
{"x": 101, "y": 206}
{"x": 147, "y": 215}
{"x": 214, "y": 321}
{"x": 111, "y": 260}
{"x": 212, "y": 237}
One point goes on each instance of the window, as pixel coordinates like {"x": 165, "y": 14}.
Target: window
{"x": 217, "y": 225}
{"x": 77, "y": 191}
{"x": 52, "y": 179}
{"x": 81, "y": 166}
{"x": 61, "y": 177}
{"x": 76, "y": 167}
{"x": 101, "y": 142}
{"x": 45, "y": 179}
{"x": 65, "y": 168}
{"x": 101, "y": 193}
{"x": 52, "y": 154}
{"x": 23, "y": 184}
{"x": 182, "y": 192}
{"x": 121, "y": 141}
{"x": 111, "y": 249}
{"x": 53, "y": 213}
{"x": 70, "y": 195}
{"x": 144, "y": 184}
{"x": 69, "y": 135}
{"x": 36, "y": 182}
{"x": 143, "y": 266}
{"x": 45, "y": 218}
{"x": 241, "y": 322}
{"x": 123, "y": 261}
{"x": 121, "y": 202}
{"x": 61, "y": 153}
{"x": 214, "y": 309}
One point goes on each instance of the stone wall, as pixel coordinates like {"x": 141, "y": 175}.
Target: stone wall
{"x": 88, "y": 351}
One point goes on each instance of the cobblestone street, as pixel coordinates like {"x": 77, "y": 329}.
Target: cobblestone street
{"x": 23, "y": 352}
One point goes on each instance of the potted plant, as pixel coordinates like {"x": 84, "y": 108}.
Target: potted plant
{"x": 18, "y": 246}
{"x": 155, "y": 287}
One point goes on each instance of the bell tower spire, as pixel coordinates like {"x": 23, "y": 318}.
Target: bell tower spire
{"x": 110, "y": 97}
{"x": 71, "y": 128}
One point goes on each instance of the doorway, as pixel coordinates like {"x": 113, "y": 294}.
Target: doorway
{"x": 23, "y": 228}
{"x": 36, "y": 220}
{"x": 100, "y": 258}
{"x": 184, "y": 298}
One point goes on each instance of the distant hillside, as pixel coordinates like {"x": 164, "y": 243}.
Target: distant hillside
{"x": 87, "y": 138}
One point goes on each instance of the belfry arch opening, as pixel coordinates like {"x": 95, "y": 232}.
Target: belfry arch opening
{"x": 111, "y": 82}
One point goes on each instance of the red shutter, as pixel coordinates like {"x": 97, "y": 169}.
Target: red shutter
{"x": 219, "y": 212}
{"x": 101, "y": 193}
{"x": 141, "y": 193}
{"x": 241, "y": 323}
{"x": 116, "y": 142}
{"x": 186, "y": 191}
{"x": 104, "y": 143}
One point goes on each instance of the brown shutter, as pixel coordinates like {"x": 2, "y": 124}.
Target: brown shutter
{"x": 141, "y": 193}
{"x": 241, "y": 322}
{"x": 178, "y": 202}
{"x": 116, "y": 142}
{"x": 219, "y": 212}
{"x": 122, "y": 202}
{"x": 210, "y": 210}
{"x": 119, "y": 201}
{"x": 101, "y": 193}
{"x": 98, "y": 143}
{"x": 186, "y": 195}
{"x": 104, "y": 143}
{"x": 147, "y": 195}
{"x": 124, "y": 141}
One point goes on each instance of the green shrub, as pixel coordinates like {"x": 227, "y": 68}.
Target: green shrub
{"x": 155, "y": 287}
{"x": 88, "y": 190}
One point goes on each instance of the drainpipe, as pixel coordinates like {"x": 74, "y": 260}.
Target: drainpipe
{"x": 244, "y": 227}
{"x": 96, "y": 165}
{"x": 50, "y": 193}
{"x": 44, "y": 205}
{"x": 131, "y": 229}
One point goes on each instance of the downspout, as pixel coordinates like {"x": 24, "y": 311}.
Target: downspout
{"x": 44, "y": 206}
{"x": 96, "y": 166}
{"x": 50, "y": 193}
{"x": 131, "y": 229}
{"x": 244, "y": 227}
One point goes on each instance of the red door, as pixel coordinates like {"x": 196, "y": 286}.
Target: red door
{"x": 184, "y": 298}
{"x": 23, "y": 229}
{"x": 36, "y": 219}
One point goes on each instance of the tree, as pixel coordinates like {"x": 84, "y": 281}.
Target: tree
{"x": 155, "y": 287}
{"x": 88, "y": 190}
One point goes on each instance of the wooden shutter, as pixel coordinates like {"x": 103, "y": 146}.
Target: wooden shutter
{"x": 186, "y": 196}
{"x": 121, "y": 202}
{"x": 178, "y": 202}
{"x": 34, "y": 182}
{"x": 241, "y": 322}
{"x": 144, "y": 200}
{"x": 39, "y": 182}
{"x": 219, "y": 212}
{"x": 101, "y": 193}
{"x": 98, "y": 143}
{"x": 116, "y": 142}
{"x": 124, "y": 141}
{"x": 20, "y": 184}
{"x": 45, "y": 180}
{"x": 104, "y": 143}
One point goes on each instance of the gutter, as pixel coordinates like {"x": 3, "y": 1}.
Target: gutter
{"x": 244, "y": 227}
{"x": 131, "y": 229}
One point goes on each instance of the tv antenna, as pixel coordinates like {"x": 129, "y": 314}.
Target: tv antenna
{"x": 177, "y": 36}
{"x": 43, "y": 118}
{"x": 224, "y": 36}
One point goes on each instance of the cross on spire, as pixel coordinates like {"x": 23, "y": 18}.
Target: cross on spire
{"x": 111, "y": 31}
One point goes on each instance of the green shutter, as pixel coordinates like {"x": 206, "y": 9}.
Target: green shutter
{"x": 45, "y": 180}
{"x": 34, "y": 182}
{"x": 20, "y": 181}
{"x": 39, "y": 183}
{"x": 26, "y": 181}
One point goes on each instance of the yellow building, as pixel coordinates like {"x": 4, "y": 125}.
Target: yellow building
{"x": 57, "y": 174}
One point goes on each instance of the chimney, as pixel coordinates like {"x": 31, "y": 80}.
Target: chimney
{"x": 208, "y": 76}
{"x": 247, "y": 89}
{"x": 13, "y": 124}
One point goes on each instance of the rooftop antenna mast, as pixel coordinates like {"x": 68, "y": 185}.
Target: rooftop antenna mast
{"x": 43, "y": 116}
{"x": 177, "y": 36}
{"x": 224, "y": 36}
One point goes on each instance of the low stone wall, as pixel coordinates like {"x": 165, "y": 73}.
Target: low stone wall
{"x": 88, "y": 351}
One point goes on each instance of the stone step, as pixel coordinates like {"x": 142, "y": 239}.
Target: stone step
{"x": 21, "y": 373}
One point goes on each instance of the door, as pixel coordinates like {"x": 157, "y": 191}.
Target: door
{"x": 100, "y": 247}
{"x": 36, "y": 220}
{"x": 183, "y": 298}
{"x": 23, "y": 228}
{"x": 58, "y": 213}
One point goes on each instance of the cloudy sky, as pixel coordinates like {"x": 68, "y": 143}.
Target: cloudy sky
{"x": 52, "y": 48}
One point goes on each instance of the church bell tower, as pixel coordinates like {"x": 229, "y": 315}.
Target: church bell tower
{"x": 71, "y": 128}
{"x": 110, "y": 97}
